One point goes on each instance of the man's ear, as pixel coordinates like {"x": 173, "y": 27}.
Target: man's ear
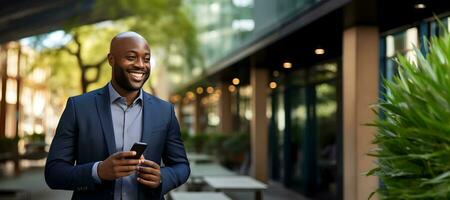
{"x": 110, "y": 59}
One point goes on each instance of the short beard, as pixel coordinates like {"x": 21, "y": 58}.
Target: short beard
{"x": 120, "y": 76}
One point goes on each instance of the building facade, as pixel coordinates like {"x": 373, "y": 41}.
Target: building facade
{"x": 299, "y": 76}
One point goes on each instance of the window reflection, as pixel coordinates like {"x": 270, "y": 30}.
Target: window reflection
{"x": 402, "y": 43}
{"x": 304, "y": 130}
{"x": 226, "y": 25}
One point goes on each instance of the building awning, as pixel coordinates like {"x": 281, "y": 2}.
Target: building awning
{"x": 23, "y": 18}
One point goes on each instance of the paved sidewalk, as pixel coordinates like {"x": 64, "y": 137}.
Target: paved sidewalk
{"x": 276, "y": 191}
{"x": 32, "y": 182}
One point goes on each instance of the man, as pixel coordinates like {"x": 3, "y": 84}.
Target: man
{"x": 90, "y": 151}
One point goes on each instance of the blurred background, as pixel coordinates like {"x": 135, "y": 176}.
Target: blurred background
{"x": 273, "y": 94}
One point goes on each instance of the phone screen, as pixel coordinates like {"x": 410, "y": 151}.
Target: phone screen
{"x": 139, "y": 147}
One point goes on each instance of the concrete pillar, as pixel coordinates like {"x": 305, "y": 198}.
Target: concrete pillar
{"x": 259, "y": 124}
{"x": 360, "y": 90}
{"x": 226, "y": 119}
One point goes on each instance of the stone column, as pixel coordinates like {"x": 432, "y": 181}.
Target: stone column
{"x": 226, "y": 119}
{"x": 360, "y": 90}
{"x": 259, "y": 124}
{"x": 198, "y": 115}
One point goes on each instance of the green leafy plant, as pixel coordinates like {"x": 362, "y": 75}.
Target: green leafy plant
{"x": 414, "y": 127}
{"x": 237, "y": 143}
{"x": 195, "y": 143}
{"x": 235, "y": 147}
{"x": 214, "y": 144}
{"x": 35, "y": 138}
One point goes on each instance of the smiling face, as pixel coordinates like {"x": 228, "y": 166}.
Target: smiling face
{"x": 129, "y": 58}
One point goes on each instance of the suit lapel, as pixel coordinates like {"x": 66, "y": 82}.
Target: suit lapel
{"x": 104, "y": 111}
{"x": 147, "y": 119}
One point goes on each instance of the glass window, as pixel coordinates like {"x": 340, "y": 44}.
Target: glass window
{"x": 241, "y": 109}
{"x": 403, "y": 43}
{"x": 224, "y": 26}
{"x": 306, "y": 128}
{"x": 12, "y": 62}
{"x": 436, "y": 28}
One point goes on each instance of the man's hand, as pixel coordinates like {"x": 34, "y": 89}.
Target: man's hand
{"x": 149, "y": 174}
{"x": 118, "y": 165}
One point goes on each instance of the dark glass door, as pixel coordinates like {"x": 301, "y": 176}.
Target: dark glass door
{"x": 303, "y": 132}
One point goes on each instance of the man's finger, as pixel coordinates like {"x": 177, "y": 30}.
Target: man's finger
{"x": 129, "y": 168}
{"x": 141, "y": 159}
{"x": 149, "y": 177}
{"x": 148, "y": 170}
{"x": 124, "y": 154}
{"x": 151, "y": 184}
{"x": 127, "y": 162}
{"x": 151, "y": 164}
{"x": 122, "y": 174}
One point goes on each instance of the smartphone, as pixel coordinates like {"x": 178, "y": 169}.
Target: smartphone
{"x": 139, "y": 147}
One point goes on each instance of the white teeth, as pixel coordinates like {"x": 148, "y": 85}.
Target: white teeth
{"x": 137, "y": 75}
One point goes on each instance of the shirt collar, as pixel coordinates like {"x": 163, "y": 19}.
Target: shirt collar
{"x": 114, "y": 95}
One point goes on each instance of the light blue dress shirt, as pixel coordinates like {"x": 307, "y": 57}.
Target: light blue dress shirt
{"x": 127, "y": 123}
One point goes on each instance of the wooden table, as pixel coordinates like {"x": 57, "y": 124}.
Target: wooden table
{"x": 198, "y": 196}
{"x": 236, "y": 183}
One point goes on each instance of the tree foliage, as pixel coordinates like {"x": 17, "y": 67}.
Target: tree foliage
{"x": 78, "y": 61}
{"x": 81, "y": 62}
{"x": 167, "y": 27}
{"x": 414, "y": 131}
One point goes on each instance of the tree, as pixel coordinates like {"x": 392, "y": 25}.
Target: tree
{"x": 163, "y": 22}
{"x": 83, "y": 66}
{"x": 82, "y": 58}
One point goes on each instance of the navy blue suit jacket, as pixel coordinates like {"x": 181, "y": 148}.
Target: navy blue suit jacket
{"x": 85, "y": 135}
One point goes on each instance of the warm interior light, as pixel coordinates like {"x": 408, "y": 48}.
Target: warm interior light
{"x": 236, "y": 81}
{"x": 190, "y": 95}
{"x": 287, "y": 65}
{"x": 231, "y": 88}
{"x": 175, "y": 98}
{"x": 210, "y": 90}
{"x": 273, "y": 85}
{"x": 199, "y": 90}
{"x": 319, "y": 51}
{"x": 204, "y": 101}
{"x": 218, "y": 92}
{"x": 419, "y": 6}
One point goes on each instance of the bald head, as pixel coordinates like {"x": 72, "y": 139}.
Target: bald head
{"x": 126, "y": 37}
{"x": 129, "y": 57}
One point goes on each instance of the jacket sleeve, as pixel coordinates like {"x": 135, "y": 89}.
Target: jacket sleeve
{"x": 176, "y": 169}
{"x": 61, "y": 172}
